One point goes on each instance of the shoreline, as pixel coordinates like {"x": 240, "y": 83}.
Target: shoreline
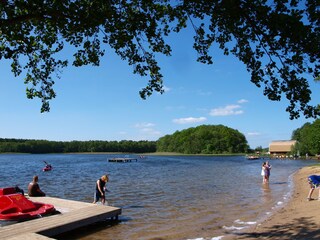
{"x": 298, "y": 219}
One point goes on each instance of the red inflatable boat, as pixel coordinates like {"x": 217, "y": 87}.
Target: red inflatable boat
{"x": 15, "y": 206}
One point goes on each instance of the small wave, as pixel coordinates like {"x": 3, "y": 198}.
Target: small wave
{"x": 238, "y": 221}
{"x": 233, "y": 228}
{"x": 196, "y": 239}
{"x": 214, "y": 238}
{"x": 217, "y": 238}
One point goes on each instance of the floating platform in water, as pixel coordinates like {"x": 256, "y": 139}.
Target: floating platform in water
{"x": 122, "y": 160}
{"x": 253, "y": 157}
{"x": 73, "y": 215}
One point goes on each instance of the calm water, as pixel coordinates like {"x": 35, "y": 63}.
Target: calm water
{"x": 162, "y": 197}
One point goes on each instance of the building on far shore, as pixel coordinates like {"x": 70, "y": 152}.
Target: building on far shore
{"x": 281, "y": 148}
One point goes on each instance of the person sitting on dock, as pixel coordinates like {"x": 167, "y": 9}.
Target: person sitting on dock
{"x": 314, "y": 182}
{"x": 34, "y": 188}
{"x": 101, "y": 189}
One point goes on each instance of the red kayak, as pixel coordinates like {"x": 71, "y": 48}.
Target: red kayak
{"x": 15, "y": 206}
{"x": 47, "y": 168}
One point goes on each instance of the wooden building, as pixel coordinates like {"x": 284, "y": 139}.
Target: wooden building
{"x": 281, "y": 148}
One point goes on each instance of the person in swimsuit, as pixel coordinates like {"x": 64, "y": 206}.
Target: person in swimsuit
{"x": 267, "y": 171}
{"x": 101, "y": 189}
{"x": 34, "y": 188}
{"x": 314, "y": 182}
{"x": 263, "y": 172}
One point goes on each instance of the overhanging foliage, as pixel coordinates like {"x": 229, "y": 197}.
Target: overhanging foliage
{"x": 278, "y": 41}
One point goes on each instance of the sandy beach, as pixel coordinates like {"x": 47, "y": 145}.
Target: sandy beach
{"x": 298, "y": 219}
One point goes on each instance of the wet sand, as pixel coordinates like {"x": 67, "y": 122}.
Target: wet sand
{"x": 299, "y": 219}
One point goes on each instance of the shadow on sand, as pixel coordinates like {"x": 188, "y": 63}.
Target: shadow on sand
{"x": 299, "y": 229}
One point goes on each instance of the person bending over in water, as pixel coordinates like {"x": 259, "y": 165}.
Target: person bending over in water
{"x": 314, "y": 182}
{"x": 34, "y": 188}
{"x": 101, "y": 189}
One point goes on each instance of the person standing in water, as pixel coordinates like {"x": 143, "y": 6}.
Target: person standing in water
{"x": 101, "y": 189}
{"x": 263, "y": 172}
{"x": 267, "y": 170}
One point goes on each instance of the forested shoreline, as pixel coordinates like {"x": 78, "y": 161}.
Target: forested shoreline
{"x": 45, "y": 146}
{"x": 204, "y": 139}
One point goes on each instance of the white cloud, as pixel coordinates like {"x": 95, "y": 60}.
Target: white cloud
{"x": 242, "y": 101}
{"x": 253, "y": 134}
{"x": 166, "y": 89}
{"x": 144, "y": 125}
{"x": 189, "y": 120}
{"x": 226, "y": 111}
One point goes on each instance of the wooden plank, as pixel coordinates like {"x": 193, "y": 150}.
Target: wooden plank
{"x": 53, "y": 225}
{"x": 79, "y": 219}
{"x": 30, "y": 236}
{"x": 76, "y": 215}
{"x": 61, "y": 205}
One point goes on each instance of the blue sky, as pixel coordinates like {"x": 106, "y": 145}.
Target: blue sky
{"x": 103, "y": 103}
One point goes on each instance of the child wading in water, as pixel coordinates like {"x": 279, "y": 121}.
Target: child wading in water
{"x": 101, "y": 189}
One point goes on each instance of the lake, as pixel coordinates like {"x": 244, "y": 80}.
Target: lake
{"x": 162, "y": 197}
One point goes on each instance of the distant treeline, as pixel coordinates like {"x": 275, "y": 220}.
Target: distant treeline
{"x": 204, "y": 139}
{"x": 44, "y": 146}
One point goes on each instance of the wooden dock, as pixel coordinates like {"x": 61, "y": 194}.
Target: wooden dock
{"x": 122, "y": 160}
{"x": 73, "y": 215}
